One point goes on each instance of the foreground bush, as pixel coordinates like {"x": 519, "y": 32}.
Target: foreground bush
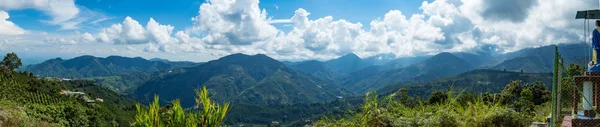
{"x": 210, "y": 114}
{"x": 447, "y": 113}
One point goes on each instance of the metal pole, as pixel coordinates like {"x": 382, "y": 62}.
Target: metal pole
{"x": 558, "y": 91}
{"x": 554, "y": 80}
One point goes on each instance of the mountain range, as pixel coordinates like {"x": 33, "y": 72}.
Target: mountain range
{"x": 443, "y": 64}
{"x": 259, "y": 79}
{"x": 240, "y": 78}
{"x": 536, "y": 60}
{"x": 90, "y": 66}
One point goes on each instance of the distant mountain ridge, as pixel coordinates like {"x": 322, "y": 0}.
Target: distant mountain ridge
{"x": 319, "y": 70}
{"x": 536, "y": 60}
{"x": 240, "y": 78}
{"x": 90, "y": 66}
{"x": 441, "y": 65}
{"x": 347, "y": 63}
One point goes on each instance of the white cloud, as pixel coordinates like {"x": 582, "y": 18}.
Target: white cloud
{"x": 131, "y": 31}
{"x": 159, "y": 33}
{"x": 277, "y": 21}
{"x": 150, "y": 48}
{"x": 8, "y": 27}
{"x": 234, "y": 22}
{"x": 70, "y": 40}
{"x": 61, "y": 11}
{"x": 233, "y": 26}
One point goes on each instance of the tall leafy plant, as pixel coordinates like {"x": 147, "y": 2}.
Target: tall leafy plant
{"x": 210, "y": 115}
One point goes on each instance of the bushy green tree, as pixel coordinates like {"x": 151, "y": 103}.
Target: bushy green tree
{"x": 511, "y": 91}
{"x": 10, "y": 62}
{"x": 525, "y": 103}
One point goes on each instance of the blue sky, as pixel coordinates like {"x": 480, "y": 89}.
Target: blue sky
{"x": 284, "y": 29}
{"x": 179, "y": 12}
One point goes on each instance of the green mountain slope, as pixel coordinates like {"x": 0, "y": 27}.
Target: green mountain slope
{"x": 89, "y": 66}
{"x": 240, "y": 78}
{"x": 319, "y": 70}
{"x": 347, "y": 63}
{"x": 41, "y": 101}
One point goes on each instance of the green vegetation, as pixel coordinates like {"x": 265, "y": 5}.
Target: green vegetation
{"x": 210, "y": 115}
{"x": 10, "y": 62}
{"x": 124, "y": 84}
{"x": 476, "y": 81}
{"x": 448, "y": 109}
{"x": 239, "y": 78}
{"x": 288, "y": 114}
{"x": 28, "y": 101}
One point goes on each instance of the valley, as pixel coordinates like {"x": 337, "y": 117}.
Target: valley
{"x": 263, "y": 90}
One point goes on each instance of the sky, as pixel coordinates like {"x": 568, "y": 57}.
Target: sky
{"x": 294, "y": 30}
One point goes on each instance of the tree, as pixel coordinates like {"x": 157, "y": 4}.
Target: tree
{"x": 10, "y": 62}
{"x": 437, "y": 97}
{"x": 540, "y": 93}
{"x": 511, "y": 91}
{"x": 525, "y": 103}
{"x": 404, "y": 96}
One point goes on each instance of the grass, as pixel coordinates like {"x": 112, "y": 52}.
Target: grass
{"x": 390, "y": 112}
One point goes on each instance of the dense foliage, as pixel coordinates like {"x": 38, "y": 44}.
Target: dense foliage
{"x": 288, "y": 114}
{"x": 10, "y": 62}
{"x": 448, "y": 109}
{"x": 26, "y": 100}
{"x": 476, "y": 81}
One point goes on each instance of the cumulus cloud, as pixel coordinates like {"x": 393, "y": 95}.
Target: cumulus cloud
{"x": 235, "y": 22}
{"x": 131, "y": 31}
{"x": 8, "y": 27}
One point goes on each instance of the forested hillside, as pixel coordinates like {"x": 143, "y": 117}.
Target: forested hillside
{"x": 239, "y": 78}
{"x": 26, "y": 100}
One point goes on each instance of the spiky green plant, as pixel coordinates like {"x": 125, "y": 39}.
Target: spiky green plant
{"x": 213, "y": 114}
{"x": 210, "y": 115}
